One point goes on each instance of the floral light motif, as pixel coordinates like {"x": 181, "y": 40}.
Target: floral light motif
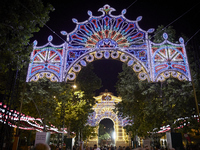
{"x": 47, "y": 58}
{"x": 167, "y": 59}
{"x": 118, "y": 30}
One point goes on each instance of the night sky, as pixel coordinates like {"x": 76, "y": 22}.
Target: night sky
{"x": 154, "y": 13}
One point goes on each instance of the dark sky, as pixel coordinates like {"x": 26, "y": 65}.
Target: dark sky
{"x": 104, "y": 122}
{"x": 154, "y": 13}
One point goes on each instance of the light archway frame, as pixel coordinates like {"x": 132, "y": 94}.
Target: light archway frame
{"x": 109, "y": 37}
{"x": 105, "y": 108}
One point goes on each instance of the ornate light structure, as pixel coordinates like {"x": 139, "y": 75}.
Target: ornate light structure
{"x": 108, "y": 36}
{"x": 104, "y": 108}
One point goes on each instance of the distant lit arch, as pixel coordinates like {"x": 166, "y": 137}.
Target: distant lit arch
{"x": 98, "y": 121}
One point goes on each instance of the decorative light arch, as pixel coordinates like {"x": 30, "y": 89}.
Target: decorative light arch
{"x": 104, "y": 108}
{"x": 117, "y": 54}
{"x": 104, "y": 37}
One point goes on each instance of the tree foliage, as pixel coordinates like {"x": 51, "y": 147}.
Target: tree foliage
{"x": 157, "y": 104}
{"x": 158, "y": 36}
{"x": 105, "y": 136}
{"x": 19, "y": 20}
{"x": 45, "y": 96}
{"x": 87, "y": 132}
{"x": 101, "y": 129}
{"x": 153, "y": 104}
{"x": 88, "y": 82}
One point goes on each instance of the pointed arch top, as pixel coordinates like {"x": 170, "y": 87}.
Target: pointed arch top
{"x": 107, "y": 30}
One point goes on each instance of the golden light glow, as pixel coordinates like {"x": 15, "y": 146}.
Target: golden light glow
{"x": 104, "y": 109}
{"x": 74, "y": 86}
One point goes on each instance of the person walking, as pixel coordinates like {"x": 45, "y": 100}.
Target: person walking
{"x": 95, "y": 147}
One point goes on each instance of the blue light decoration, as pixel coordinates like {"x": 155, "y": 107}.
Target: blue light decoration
{"x": 109, "y": 37}
{"x": 169, "y": 59}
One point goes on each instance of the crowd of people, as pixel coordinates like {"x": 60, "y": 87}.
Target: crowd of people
{"x": 106, "y": 148}
{"x": 42, "y": 146}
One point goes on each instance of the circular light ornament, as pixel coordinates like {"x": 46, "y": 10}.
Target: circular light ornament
{"x": 50, "y": 38}
{"x": 89, "y": 13}
{"x": 142, "y": 76}
{"x": 123, "y": 11}
{"x": 137, "y": 68}
{"x": 181, "y": 40}
{"x": 151, "y": 30}
{"x": 174, "y": 74}
{"x": 181, "y": 77}
{"x": 139, "y": 18}
{"x": 35, "y": 42}
{"x": 123, "y": 58}
{"x": 71, "y": 76}
{"x": 54, "y": 79}
{"x": 89, "y": 58}
{"x": 160, "y": 78}
{"x": 34, "y": 78}
{"x": 165, "y": 36}
{"x": 166, "y": 74}
{"x": 63, "y": 32}
{"x": 41, "y": 75}
{"x": 48, "y": 75}
{"x": 98, "y": 55}
{"x": 76, "y": 68}
{"x": 114, "y": 54}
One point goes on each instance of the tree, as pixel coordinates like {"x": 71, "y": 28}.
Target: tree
{"x": 105, "y": 136}
{"x": 101, "y": 129}
{"x": 130, "y": 89}
{"x": 19, "y": 20}
{"x": 75, "y": 112}
{"x": 87, "y": 132}
{"x": 153, "y": 104}
{"x": 158, "y": 36}
{"x": 88, "y": 82}
{"x": 46, "y": 95}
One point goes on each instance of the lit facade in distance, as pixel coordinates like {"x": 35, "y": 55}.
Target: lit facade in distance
{"x": 104, "y": 109}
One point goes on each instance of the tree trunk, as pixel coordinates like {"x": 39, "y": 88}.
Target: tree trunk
{"x": 68, "y": 131}
{"x": 44, "y": 124}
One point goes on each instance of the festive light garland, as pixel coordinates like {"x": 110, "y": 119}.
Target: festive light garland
{"x": 12, "y": 116}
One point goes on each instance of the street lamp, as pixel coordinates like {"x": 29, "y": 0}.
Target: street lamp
{"x": 74, "y": 86}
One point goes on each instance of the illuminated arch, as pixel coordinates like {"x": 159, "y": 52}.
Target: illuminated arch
{"x": 116, "y": 54}
{"x": 98, "y": 121}
{"x": 169, "y": 60}
{"x": 46, "y": 61}
{"x": 104, "y": 108}
{"x": 109, "y": 36}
